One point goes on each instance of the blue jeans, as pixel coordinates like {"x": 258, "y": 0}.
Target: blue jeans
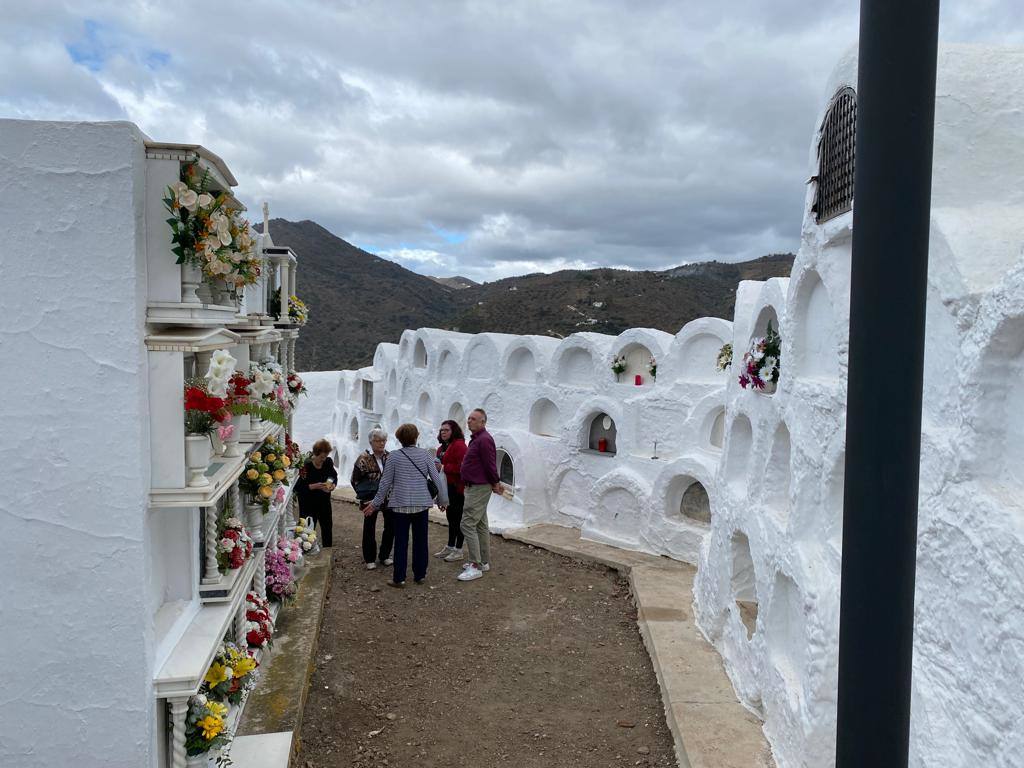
{"x": 420, "y": 548}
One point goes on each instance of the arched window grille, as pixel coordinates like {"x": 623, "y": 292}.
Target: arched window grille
{"x": 836, "y": 153}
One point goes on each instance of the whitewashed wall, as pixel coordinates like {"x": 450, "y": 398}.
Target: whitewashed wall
{"x": 76, "y": 649}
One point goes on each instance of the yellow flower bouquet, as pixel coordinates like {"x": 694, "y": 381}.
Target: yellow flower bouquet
{"x": 231, "y": 674}
{"x": 205, "y": 725}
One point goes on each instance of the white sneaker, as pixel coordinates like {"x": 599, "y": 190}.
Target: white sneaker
{"x": 389, "y": 561}
{"x": 485, "y": 567}
{"x": 444, "y": 552}
{"x": 454, "y": 555}
{"x": 469, "y": 573}
{"x": 371, "y": 566}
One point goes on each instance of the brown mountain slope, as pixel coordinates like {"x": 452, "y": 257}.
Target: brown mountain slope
{"x": 357, "y": 299}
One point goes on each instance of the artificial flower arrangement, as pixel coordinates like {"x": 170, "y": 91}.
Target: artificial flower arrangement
{"x": 242, "y": 399}
{"x": 291, "y": 550}
{"x": 259, "y": 626}
{"x": 266, "y": 467}
{"x": 761, "y": 362}
{"x": 724, "y": 359}
{"x": 292, "y": 451}
{"x": 298, "y": 312}
{"x": 203, "y": 411}
{"x": 619, "y": 365}
{"x": 207, "y": 232}
{"x": 296, "y": 387}
{"x": 231, "y": 675}
{"x": 204, "y": 725}
{"x": 652, "y": 368}
{"x": 234, "y": 545}
{"x": 305, "y": 536}
{"x": 281, "y": 584}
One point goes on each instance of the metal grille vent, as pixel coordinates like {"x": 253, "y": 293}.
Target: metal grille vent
{"x": 836, "y": 152}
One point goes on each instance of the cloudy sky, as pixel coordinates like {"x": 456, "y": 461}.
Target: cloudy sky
{"x": 477, "y": 138}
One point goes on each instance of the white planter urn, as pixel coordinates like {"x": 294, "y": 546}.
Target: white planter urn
{"x": 231, "y": 449}
{"x": 191, "y": 279}
{"x": 197, "y": 459}
{"x": 255, "y": 423}
{"x": 254, "y": 520}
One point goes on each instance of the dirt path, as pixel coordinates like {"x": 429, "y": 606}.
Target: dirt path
{"x": 539, "y": 663}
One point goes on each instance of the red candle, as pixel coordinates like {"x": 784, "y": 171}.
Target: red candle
{"x": 602, "y": 444}
{"x": 638, "y": 380}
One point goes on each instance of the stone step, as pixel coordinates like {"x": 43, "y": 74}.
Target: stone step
{"x": 262, "y": 750}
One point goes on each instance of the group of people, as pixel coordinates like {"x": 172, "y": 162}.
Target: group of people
{"x": 401, "y": 486}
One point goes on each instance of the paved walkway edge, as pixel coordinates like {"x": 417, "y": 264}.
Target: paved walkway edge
{"x": 709, "y": 727}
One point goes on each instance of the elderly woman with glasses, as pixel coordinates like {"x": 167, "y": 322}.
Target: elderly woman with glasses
{"x": 366, "y": 474}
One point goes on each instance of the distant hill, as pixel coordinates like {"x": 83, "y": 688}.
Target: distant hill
{"x": 357, "y": 299}
{"x": 458, "y": 282}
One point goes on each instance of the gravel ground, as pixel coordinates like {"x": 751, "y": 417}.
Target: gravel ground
{"x": 539, "y": 663}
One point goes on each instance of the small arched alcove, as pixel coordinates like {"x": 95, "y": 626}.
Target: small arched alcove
{"x": 407, "y": 386}
{"x": 601, "y": 434}
{"x": 766, "y": 327}
{"x": 785, "y": 628}
{"x": 636, "y": 362}
{"x": 393, "y": 383}
{"x": 419, "y": 354}
{"x": 742, "y": 582}
{"x": 716, "y": 428}
{"x": 457, "y": 414}
{"x": 576, "y": 366}
{"x": 545, "y": 418}
{"x": 481, "y": 360}
{"x": 506, "y": 469}
{"x": 688, "y": 499}
{"x": 816, "y": 342}
{"x": 448, "y": 368}
{"x": 777, "y": 476}
{"x": 698, "y": 359}
{"x": 737, "y": 459}
{"x": 521, "y": 366}
{"x": 394, "y": 420}
{"x": 353, "y": 429}
{"x": 572, "y": 495}
{"x": 835, "y": 491}
{"x": 424, "y": 407}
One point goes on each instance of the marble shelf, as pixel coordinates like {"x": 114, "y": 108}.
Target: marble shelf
{"x": 180, "y": 313}
{"x": 231, "y": 581}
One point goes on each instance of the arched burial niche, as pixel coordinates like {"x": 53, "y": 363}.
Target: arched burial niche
{"x": 576, "y": 366}
{"x": 458, "y": 414}
{"x": 393, "y": 383}
{"x": 816, "y": 342}
{"x": 687, "y": 498}
{"x": 482, "y": 360}
{"x": 506, "y": 469}
{"x": 394, "y": 420}
{"x": 602, "y": 434}
{"x": 353, "y": 429}
{"x": 999, "y": 420}
{"x": 766, "y": 327}
{"x": 521, "y": 366}
{"x": 545, "y": 419}
{"x": 777, "y": 476}
{"x": 738, "y": 457}
{"x": 448, "y": 366}
{"x": 424, "y": 407}
{"x": 785, "y": 627}
{"x": 742, "y": 583}
{"x": 698, "y": 359}
{"x": 419, "y": 354}
{"x": 637, "y": 361}
{"x": 716, "y": 428}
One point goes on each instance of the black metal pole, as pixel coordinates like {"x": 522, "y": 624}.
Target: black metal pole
{"x": 892, "y": 196}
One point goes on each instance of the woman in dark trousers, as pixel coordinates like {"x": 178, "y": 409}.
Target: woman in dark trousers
{"x": 317, "y": 479}
{"x": 405, "y": 485}
{"x": 450, "y": 453}
{"x": 365, "y": 479}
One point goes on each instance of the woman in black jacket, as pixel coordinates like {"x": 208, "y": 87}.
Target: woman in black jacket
{"x": 317, "y": 479}
{"x": 366, "y": 472}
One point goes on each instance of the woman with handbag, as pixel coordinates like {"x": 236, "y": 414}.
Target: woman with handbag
{"x": 366, "y": 474}
{"x": 317, "y": 478}
{"x": 409, "y": 483}
{"x": 451, "y": 452}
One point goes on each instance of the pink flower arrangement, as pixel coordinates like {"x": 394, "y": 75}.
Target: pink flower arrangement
{"x": 761, "y": 362}
{"x": 281, "y": 584}
{"x": 291, "y": 550}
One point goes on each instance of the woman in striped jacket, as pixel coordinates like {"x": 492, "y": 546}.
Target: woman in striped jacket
{"x": 404, "y": 485}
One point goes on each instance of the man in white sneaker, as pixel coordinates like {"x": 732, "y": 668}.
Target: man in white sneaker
{"x": 480, "y": 476}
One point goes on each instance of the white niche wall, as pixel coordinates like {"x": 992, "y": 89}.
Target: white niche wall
{"x": 521, "y": 366}
{"x": 815, "y": 343}
{"x": 545, "y": 418}
{"x": 737, "y": 459}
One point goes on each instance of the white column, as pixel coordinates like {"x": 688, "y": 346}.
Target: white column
{"x": 179, "y": 709}
{"x": 240, "y": 640}
{"x": 203, "y": 362}
{"x": 292, "y": 278}
{"x": 260, "y": 580}
{"x": 211, "y": 574}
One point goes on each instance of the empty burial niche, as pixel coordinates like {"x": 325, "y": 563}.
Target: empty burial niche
{"x": 482, "y": 362}
{"x": 393, "y": 383}
{"x": 423, "y": 407}
{"x": 698, "y": 359}
{"x": 368, "y": 395}
{"x": 521, "y": 366}
{"x": 689, "y": 499}
{"x": 1000, "y": 411}
{"x": 394, "y": 421}
{"x": 637, "y": 359}
{"x": 353, "y": 429}
{"x": 576, "y": 367}
{"x": 785, "y": 627}
{"x": 448, "y": 367}
{"x": 457, "y": 414}
{"x": 419, "y": 354}
{"x": 545, "y": 418}
{"x": 716, "y": 434}
{"x": 777, "y": 475}
{"x": 506, "y": 470}
{"x": 743, "y": 583}
{"x": 738, "y": 457}
{"x": 816, "y": 346}
{"x": 602, "y": 434}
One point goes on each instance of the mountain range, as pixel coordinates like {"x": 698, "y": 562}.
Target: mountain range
{"x": 357, "y": 300}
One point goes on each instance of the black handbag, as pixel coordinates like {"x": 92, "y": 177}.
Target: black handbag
{"x": 366, "y": 489}
{"x": 431, "y": 485}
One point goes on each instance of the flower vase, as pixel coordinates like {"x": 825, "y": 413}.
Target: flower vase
{"x": 254, "y": 520}
{"x": 198, "y": 761}
{"x": 231, "y": 449}
{"x": 255, "y": 423}
{"x": 769, "y": 388}
{"x": 224, "y": 295}
{"x": 191, "y": 278}
{"x": 197, "y": 459}
{"x": 205, "y": 292}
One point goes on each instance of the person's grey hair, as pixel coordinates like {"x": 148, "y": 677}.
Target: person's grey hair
{"x": 482, "y": 412}
{"x": 378, "y": 432}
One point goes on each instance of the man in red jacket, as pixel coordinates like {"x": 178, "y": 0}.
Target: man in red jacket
{"x": 481, "y": 479}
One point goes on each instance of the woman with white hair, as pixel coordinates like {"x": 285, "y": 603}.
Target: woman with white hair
{"x": 366, "y": 474}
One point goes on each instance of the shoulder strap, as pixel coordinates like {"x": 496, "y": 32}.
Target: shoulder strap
{"x": 414, "y": 464}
